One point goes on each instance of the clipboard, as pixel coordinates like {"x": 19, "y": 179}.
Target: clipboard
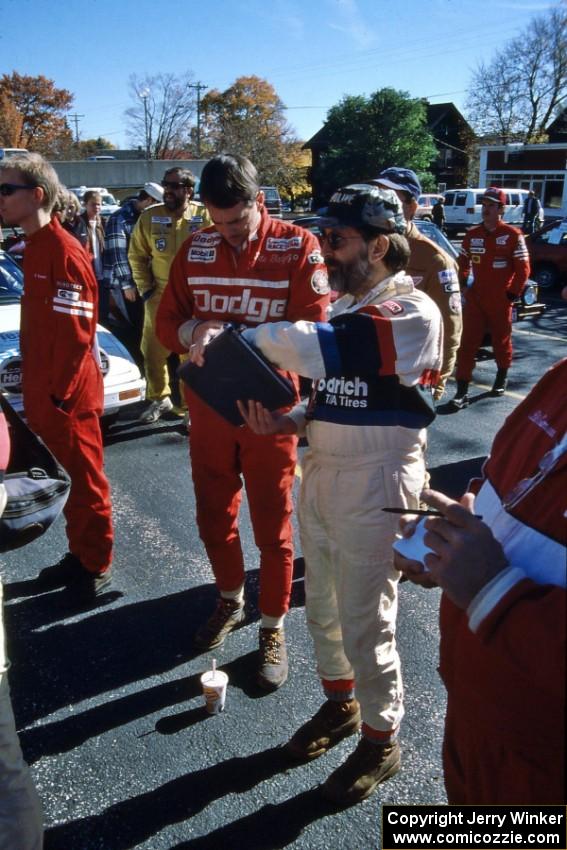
{"x": 235, "y": 370}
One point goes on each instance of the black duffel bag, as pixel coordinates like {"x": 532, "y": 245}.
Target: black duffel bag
{"x": 37, "y": 486}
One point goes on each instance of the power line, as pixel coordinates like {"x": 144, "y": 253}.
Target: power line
{"x": 75, "y": 118}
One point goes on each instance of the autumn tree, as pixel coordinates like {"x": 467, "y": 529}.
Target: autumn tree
{"x": 10, "y": 123}
{"x": 248, "y": 118}
{"x": 515, "y": 95}
{"x": 41, "y": 125}
{"x": 364, "y": 135}
{"x": 162, "y": 114}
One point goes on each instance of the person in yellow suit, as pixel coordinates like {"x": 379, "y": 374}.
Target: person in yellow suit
{"x": 159, "y": 233}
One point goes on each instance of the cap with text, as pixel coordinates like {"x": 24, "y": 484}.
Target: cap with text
{"x": 401, "y": 180}
{"x": 362, "y": 205}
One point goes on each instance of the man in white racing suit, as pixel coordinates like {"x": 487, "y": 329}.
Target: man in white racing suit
{"x": 374, "y": 366}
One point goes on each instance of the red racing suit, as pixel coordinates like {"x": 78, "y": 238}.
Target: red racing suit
{"x": 62, "y": 382}
{"x": 503, "y": 660}
{"x": 279, "y": 275}
{"x": 500, "y": 266}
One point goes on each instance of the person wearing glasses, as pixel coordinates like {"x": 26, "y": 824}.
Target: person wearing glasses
{"x": 61, "y": 375}
{"x": 246, "y": 268}
{"x": 374, "y": 365}
{"x": 156, "y": 239}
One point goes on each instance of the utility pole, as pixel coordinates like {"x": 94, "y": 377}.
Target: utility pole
{"x": 200, "y": 87}
{"x": 75, "y": 118}
{"x": 144, "y": 94}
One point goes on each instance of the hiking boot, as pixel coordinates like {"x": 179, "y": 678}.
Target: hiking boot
{"x": 227, "y": 616}
{"x": 357, "y": 777}
{"x": 461, "y": 398}
{"x": 272, "y": 669}
{"x": 500, "y": 382}
{"x": 333, "y": 722}
{"x": 156, "y": 410}
{"x": 60, "y": 574}
{"x": 89, "y": 586}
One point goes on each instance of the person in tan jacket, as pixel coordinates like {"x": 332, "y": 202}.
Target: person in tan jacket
{"x": 159, "y": 233}
{"x": 432, "y": 270}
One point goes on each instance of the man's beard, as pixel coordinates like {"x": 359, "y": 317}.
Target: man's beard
{"x": 173, "y": 204}
{"x": 349, "y": 277}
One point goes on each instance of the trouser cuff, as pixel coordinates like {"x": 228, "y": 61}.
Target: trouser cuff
{"x": 338, "y": 690}
{"x": 377, "y": 736}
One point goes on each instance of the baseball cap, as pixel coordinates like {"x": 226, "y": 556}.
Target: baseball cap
{"x": 401, "y": 180}
{"x": 495, "y": 193}
{"x": 363, "y": 205}
{"x": 154, "y": 190}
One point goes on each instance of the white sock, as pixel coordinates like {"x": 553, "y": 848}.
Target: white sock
{"x": 272, "y": 622}
{"x": 235, "y": 595}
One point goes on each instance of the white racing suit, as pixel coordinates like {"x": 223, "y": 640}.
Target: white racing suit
{"x": 374, "y": 364}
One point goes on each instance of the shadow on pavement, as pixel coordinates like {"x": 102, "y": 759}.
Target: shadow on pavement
{"x": 130, "y": 822}
{"x": 257, "y": 832}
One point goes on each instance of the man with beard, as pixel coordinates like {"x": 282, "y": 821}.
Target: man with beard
{"x": 374, "y": 365}
{"x": 156, "y": 239}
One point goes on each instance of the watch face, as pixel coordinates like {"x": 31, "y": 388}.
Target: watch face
{"x": 530, "y": 295}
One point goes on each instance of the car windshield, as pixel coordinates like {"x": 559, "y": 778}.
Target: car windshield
{"x": 11, "y": 280}
{"x": 432, "y": 232}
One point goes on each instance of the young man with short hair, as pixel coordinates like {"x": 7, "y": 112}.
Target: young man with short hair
{"x": 246, "y": 268}
{"x": 61, "y": 376}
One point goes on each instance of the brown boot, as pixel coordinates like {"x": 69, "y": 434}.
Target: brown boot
{"x": 357, "y": 777}
{"x": 227, "y": 616}
{"x": 272, "y": 669}
{"x": 333, "y": 722}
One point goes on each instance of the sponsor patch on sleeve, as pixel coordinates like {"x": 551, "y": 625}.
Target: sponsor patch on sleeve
{"x": 68, "y": 294}
{"x": 315, "y": 258}
{"x": 320, "y": 282}
{"x": 455, "y": 305}
{"x": 392, "y": 306}
{"x": 160, "y": 244}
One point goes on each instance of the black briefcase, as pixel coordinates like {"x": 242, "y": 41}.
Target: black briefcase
{"x": 235, "y": 370}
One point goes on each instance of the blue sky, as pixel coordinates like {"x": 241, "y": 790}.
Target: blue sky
{"x": 312, "y": 51}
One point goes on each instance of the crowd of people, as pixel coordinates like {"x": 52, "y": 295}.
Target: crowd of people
{"x": 379, "y": 358}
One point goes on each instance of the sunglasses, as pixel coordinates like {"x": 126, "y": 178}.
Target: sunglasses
{"x": 335, "y": 240}
{"x": 7, "y": 189}
{"x": 173, "y": 185}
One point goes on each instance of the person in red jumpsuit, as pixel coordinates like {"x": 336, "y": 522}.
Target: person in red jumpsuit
{"x": 247, "y": 268}
{"x": 62, "y": 380}
{"x": 498, "y": 256}
{"x": 503, "y": 610}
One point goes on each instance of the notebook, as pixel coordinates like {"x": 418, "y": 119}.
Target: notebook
{"x": 235, "y": 370}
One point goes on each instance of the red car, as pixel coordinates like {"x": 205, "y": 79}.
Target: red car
{"x": 548, "y": 254}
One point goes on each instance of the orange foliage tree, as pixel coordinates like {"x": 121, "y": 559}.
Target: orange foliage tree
{"x": 32, "y": 113}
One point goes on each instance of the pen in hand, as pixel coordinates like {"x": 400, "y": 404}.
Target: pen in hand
{"x": 419, "y": 512}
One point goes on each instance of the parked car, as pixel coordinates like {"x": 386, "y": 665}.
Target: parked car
{"x": 548, "y": 254}
{"x": 463, "y": 208}
{"x": 123, "y": 383}
{"x": 272, "y": 200}
{"x": 425, "y": 204}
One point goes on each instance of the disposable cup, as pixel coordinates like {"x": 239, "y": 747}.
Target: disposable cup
{"x": 214, "y": 684}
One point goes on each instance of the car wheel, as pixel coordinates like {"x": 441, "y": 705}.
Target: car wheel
{"x": 546, "y": 276}
{"x": 426, "y": 218}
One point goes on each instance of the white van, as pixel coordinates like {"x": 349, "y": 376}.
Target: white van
{"x": 463, "y": 208}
